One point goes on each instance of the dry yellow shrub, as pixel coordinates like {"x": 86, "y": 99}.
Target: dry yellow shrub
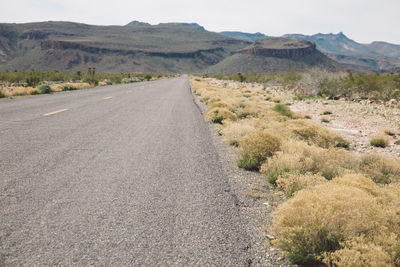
{"x": 57, "y": 87}
{"x": 217, "y": 115}
{"x": 314, "y": 134}
{"x": 298, "y": 157}
{"x": 290, "y": 183}
{"x": 256, "y": 147}
{"x": 380, "y": 169}
{"x": 340, "y": 216}
{"x": 359, "y": 254}
{"x": 20, "y": 91}
{"x": 79, "y": 85}
{"x": 237, "y": 129}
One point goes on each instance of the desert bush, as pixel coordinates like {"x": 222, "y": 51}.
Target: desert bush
{"x": 380, "y": 169}
{"x": 68, "y": 87}
{"x": 389, "y": 132}
{"x": 314, "y": 134}
{"x": 325, "y": 120}
{"x": 44, "y": 89}
{"x": 326, "y": 112}
{"x": 2, "y": 95}
{"x": 300, "y": 158}
{"x": 282, "y": 109}
{"x": 256, "y": 147}
{"x": 379, "y": 141}
{"x": 276, "y": 99}
{"x": 321, "y": 223}
{"x": 217, "y": 115}
{"x": 290, "y": 183}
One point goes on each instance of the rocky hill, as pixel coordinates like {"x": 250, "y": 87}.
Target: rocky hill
{"x": 249, "y": 37}
{"x": 136, "y": 47}
{"x": 272, "y": 55}
{"x": 376, "y": 56}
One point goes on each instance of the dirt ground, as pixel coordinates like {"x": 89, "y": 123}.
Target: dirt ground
{"x": 358, "y": 122}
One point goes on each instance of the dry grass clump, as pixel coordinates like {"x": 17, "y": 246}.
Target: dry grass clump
{"x": 314, "y": 134}
{"x": 380, "y": 169}
{"x": 236, "y": 130}
{"x": 332, "y": 221}
{"x": 290, "y": 183}
{"x": 326, "y": 112}
{"x": 389, "y": 132}
{"x": 57, "y": 87}
{"x": 78, "y": 85}
{"x": 300, "y": 158}
{"x": 276, "y": 99}
{"x": 217, "y": 115}
{"x": 379, "y": 141}
{"x": 256, "y": 147}
{"x": 20, "y": 91}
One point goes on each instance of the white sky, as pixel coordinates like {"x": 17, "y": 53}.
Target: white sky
{"x": 361, "y": 20}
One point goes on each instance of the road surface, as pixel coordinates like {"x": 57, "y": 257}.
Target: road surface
{"x": 122, "y": 175}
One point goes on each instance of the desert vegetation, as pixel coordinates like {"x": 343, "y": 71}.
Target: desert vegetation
{"x": 339, "y": 207}
{"x": 17, "y": 83}
{"x": 317, "y": 82}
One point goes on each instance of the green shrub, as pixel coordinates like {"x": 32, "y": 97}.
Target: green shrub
{"x": 326, "y": 112}
{"x": 2, "y": 94}
{"x": 283, "y": 109}
{"x": 44, "y": 89}
{"x": 234, "y": 143}
{"x": 325, "y": 120}
{"x": 68, "y": 88}
{"x": 217, "y": 119}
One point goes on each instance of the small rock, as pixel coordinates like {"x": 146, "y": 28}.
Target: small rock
{"x": 270, "y": 237}
{"x": 266, "y": 203}
{"x": 272, "y": 249}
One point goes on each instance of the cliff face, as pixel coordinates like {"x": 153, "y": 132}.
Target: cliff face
{"x": 272, "y": 55}
{"x": 281, "y": 48}
{"x": 52, "y": 45}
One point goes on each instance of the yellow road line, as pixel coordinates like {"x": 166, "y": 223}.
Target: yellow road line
{"x": 108, "y": 97}
{"x": 55, "y": 112}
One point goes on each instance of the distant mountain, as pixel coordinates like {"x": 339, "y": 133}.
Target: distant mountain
{"x": 377, "y": 56}
{"x": 194, "y": 25}
{"x": 250, "y": 37}
{"x": 137, "y": 23}
{"x": 271, "y": 55}
{"x": 69, "y": 46}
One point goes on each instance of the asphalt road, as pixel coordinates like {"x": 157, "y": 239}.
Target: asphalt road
{"x": 122, "y": 175}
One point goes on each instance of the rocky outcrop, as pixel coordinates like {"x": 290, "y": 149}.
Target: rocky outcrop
{"x": 285, "y": 52}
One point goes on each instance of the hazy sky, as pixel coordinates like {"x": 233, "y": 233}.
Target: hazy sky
{"x": 361, "y": 20}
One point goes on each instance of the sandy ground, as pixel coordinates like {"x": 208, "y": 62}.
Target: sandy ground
{"x": 358, "y": 122}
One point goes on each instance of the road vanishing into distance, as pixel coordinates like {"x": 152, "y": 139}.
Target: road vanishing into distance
{"x": 123, "y": 175}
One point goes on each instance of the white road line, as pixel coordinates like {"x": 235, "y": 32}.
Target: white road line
{"x": 108, "y": 97}
{"x": 55, "y": 112}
